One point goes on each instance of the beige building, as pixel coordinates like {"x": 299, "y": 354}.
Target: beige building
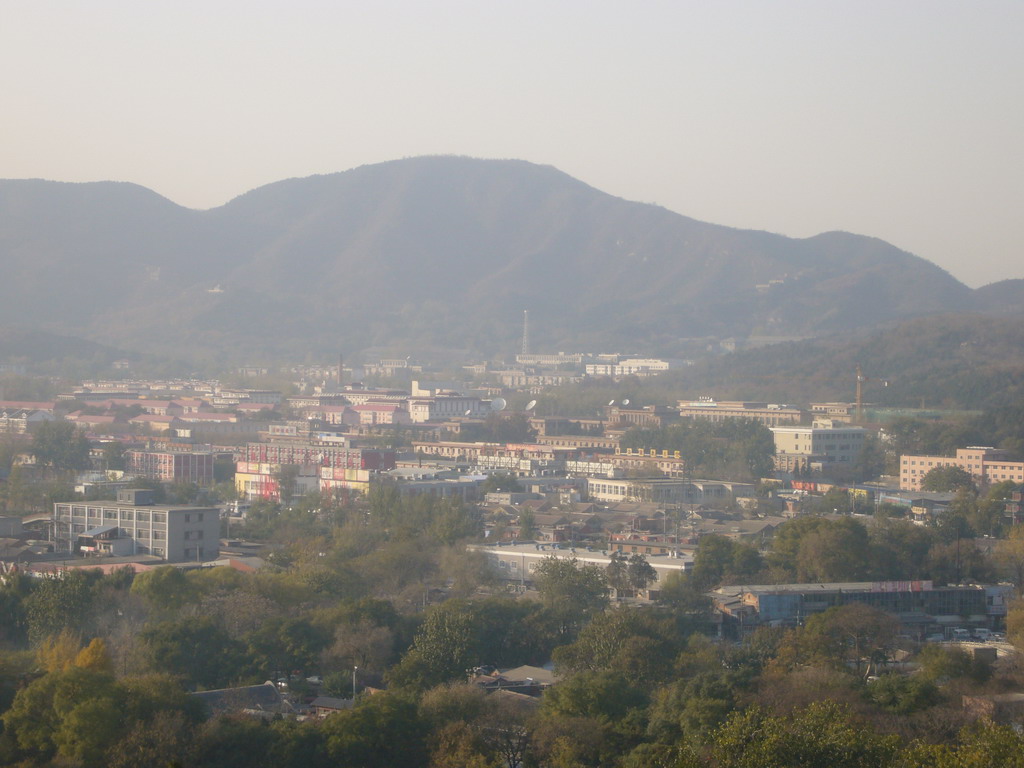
{"x": 664, "y": 491}
{"x": 817, "y": 447}
{"x": 769, "y": 414}
{"x": 986, "y": 465}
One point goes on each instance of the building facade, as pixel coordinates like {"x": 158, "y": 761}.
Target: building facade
{"x": 769, "y": 414}
{"x": 986, "y": 465}
{"x": 175, "y": 533}
{"x": 171, "y": 466}
{"x": 818, "y": 447}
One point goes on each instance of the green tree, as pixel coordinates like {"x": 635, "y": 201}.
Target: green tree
{"x": 60, "y": 445}
{"x": 1009, "y": 556}
{"x": 617, "y": 572}
{"x": 195, "y": 650}
{"x": 719, "y": 557}
{"x": 946, "y": 479}
{"x": 641, "y": 573}
{"x": 501, "y": 481}
{"x": 823, "y": 734}
{"x": 61, "y": 603}
{"x": 836, "y": 551}
{"x": 165, "y": 588}
{"x": 445, "y": 646}
{"x": 383, "y": 731}
{"x": 571, "y": 592}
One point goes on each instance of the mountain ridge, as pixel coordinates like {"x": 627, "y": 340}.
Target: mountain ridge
{"x": 435, "y": 251}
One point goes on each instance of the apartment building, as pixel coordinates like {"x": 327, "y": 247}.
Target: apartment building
{"x": 985, "y": 464}
{"x": 133, "y": 525}
{"x": 817, "y": 447}
{"x": 769, "y": 414}
{"x": 171, "y": 466}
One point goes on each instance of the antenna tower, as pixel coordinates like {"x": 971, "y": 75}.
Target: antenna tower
{"x": 526, "y": 331}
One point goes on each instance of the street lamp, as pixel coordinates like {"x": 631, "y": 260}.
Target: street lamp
{"x": 354, "y": 670}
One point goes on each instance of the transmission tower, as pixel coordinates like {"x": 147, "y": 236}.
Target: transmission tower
{"x": 526, "y": 331}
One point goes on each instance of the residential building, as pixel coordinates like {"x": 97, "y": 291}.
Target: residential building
{"x": 133, "y": 525}
{"x": 20, "y": 421}
{"x": 769, "y": 414}
{"x": 817, "y": 448}
{"x": 517, "y": 562}
{"x": 446, "y": 406}
{"x": 171, "y": 466}
{"x": 633, "y": 366}
{"x": 664, "y": 491}
{"x": 986, "y": 465}
{"x": 649, "y": 416}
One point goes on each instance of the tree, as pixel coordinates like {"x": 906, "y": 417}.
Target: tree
{"x": 572, "y": 593}
{"x": 641, "y": 573}
{"x": 946, "y": 479}
{"x": 60, "y": 445}
{"x": 837, "y": 551}
{"x": 195, "y": 649}
{"x": 165, "y": 588}
{"x": 501, "y": 481}
{"x": 287, "y": 477}
{"x": 823, "y": 734}
{"x": 1009, "y": 556}
{"x": 719, "y": 557}
{"x": 58, "y": 603}
{"x": 850, "y": 635}
{"x": 445, "y": 646}
{"x": 617, "y": 572}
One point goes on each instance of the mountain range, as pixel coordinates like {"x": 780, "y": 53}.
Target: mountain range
{"x": 436, "y": 253}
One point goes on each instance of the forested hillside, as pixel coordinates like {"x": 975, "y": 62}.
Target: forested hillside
{"x": 432, "y": 252}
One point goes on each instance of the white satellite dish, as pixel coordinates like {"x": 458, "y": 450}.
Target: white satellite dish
{"x": 611, "y": 402}
{"x": 498, "y": 404}
{"x": 625, "y": 402}
{"x": 469, "y": 412}
{"x": 531, "y": 405}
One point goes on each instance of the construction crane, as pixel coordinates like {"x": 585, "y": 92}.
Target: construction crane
{"x": 861, "y": 381}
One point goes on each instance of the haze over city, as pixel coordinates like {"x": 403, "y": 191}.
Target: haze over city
{"x": 895, "y": 121}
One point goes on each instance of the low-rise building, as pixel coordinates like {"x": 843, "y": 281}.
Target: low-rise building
{"x": 985, "y": 465}
{"x": 919, "y": 605}
{"x": 709, "y": 409}
{"x": 517, "y": 562}
{"x": 665, "y": 491}
{"x": 171, "y": 466}
{"x": 133, "y": 525}
{"x": 817, "y": 448}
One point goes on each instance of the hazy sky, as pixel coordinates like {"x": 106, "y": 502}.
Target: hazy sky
{"x": 893, "y": 118}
